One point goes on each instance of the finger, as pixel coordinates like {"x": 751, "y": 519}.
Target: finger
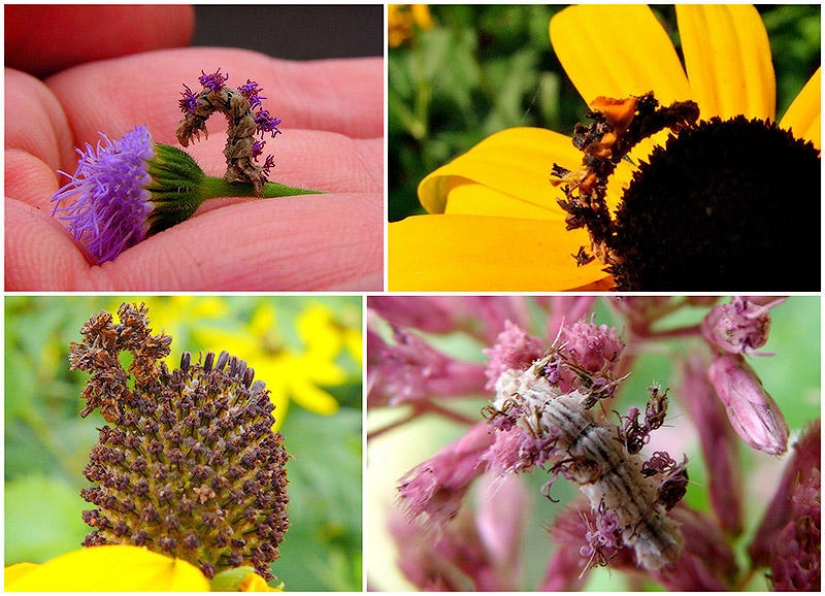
{"x": 341, "y": 96}
{"x": 39, "y": 254}
{"x": 325, "y": 242}
{"x": 45, "y": 39}
{"x": 38, "y": 125}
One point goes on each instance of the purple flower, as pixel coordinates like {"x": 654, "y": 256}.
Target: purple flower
{"x": 593, "y": 347}
{"x": 189, "y": 102}
{"x": 112, "y": 203}
{"x": 269, "y": 163}
{"x": 267, "y": 123}
{"x": 514, "y": 349}
{"x": 257, "y": 149}
{"x": 412, "y": 371}
{"x": 251, "y": 91}
{"x": 215, "y": 81}
{"x": 128, "y": 189}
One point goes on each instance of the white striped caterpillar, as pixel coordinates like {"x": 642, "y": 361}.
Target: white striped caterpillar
{"x": 559, "y": 432}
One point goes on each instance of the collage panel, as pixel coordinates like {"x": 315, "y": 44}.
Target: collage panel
{"x": 567, "y": 443}
{"x": 195, "y": 442}
{"x": 596, "y": 147}
{"x": 185, "y": 149}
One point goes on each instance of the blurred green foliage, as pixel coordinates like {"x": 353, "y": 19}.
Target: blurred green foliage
{"x": 484, "y": 68}
{"x": 47, "y": 443}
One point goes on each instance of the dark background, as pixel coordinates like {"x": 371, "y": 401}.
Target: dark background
{"x": 296, "y": 32}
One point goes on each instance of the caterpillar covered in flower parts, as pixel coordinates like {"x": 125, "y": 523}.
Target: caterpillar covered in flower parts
{"x": 242, "y": 149}
{"x": 547, "y": 411}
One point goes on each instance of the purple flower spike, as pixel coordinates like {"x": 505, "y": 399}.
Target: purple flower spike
{"x": 189, "y": 102}
{"x": 111, "y": 204}
{"x": 268, "y": 164}
{"x": 257, "y": 149}
{"x": 251, "y": 92}
{"x": 267, "y": 123}
{"x": 215, "y": 81}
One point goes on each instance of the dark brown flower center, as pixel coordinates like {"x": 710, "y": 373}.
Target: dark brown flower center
{"x": 731, "y": 205}
{"x": 725, "y": 205}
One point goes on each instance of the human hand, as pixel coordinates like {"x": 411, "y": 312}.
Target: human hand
{"x": 332, "y": 113}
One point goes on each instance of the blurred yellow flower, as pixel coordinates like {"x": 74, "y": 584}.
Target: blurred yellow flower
{"x": 403, "y": 18}
{"x": 291, "y": 374}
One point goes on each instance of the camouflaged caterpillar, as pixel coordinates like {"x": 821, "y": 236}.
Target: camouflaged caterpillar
{"x": 602, "y": 458}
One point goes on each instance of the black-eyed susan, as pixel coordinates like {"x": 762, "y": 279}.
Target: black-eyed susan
{"x": 494, "y": 221}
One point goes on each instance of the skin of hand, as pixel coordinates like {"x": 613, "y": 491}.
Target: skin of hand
{"x": 332, "y": 114}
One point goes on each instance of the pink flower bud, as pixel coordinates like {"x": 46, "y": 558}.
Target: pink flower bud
{"x": 436, "y": 488}
{"x": 739, "y": 327}
{"x": 752, "y": 412}
{"x": 719, "y": 443}
{"x": 411, "y": 370}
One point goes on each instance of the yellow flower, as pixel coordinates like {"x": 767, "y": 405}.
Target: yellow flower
{"x": 290, "y": 374}
{"x": 401, "y": 20}
{"x": 493, "y": 221}
{"x": 107, "y": 569}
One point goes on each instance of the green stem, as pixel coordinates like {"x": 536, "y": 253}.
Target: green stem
{"x": 212, "y": 188}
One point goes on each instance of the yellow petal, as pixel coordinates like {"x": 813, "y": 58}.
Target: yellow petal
{"x": 112, "y": 569}
{"x": 318, "y": 330}
{"x": 728, "y": 60}
{"x": 516, "y": 162}
{"x": 470, "y": 198}
{"x": 617, "y": 51}
{"x": 312, "y": 398}
{"x": 804, "y": 115}
{"x": 476, "y": 254}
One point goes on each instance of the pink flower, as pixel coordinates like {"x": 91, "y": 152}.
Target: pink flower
{"x": 436, "y": 488}
{"x": 592, "y": 347}
{"x": 514, "y": 349}
{"x": 739, "y": 327}
{"x": 789, "y": 538}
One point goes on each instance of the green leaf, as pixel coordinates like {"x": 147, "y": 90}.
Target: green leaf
{"x": 42, "y": 519}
